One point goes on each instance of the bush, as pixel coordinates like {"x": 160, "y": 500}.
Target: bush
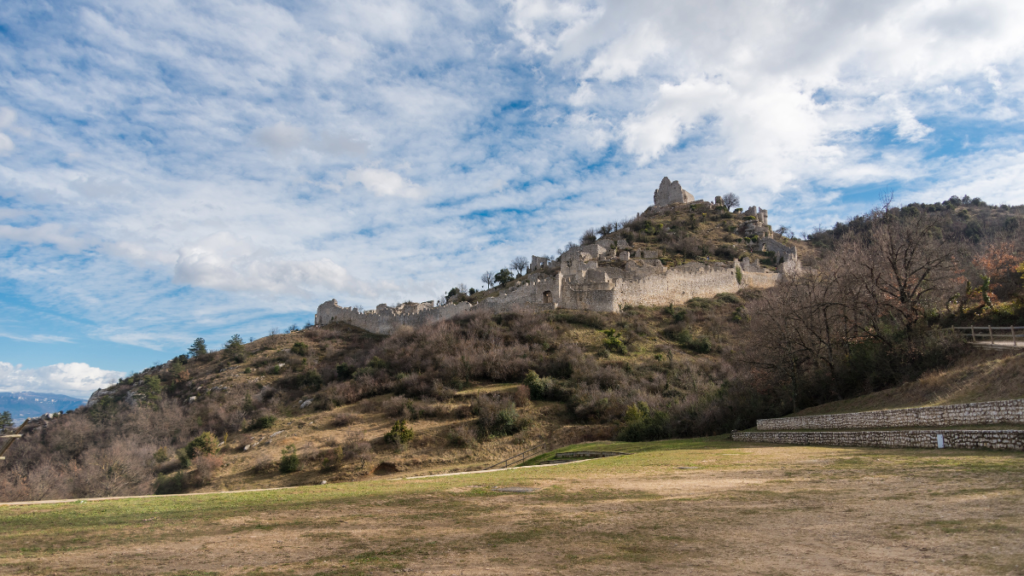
{"x": 330, "y": 458}
{"x": 183, "y": 460}
{"x": 357, "y": 450}
{"x": 161, "y": 455}
{"x": 521, "y": 396}
{"x": 400, "y": 434}
{"x": 498, "y": 416}
{"x": 697, "y": 344}
{"x": 205, "y": 443}
{"x": 677, "y": 314}
{"x": 206, "y": 465}
{"x": 289, "y": 460}
{"x": 174, "y": 484}
{"x": 308, "y": 380}
{"x": 613, "y": 342}
{"x": 345, "y": 372}
{"x": 300, "y": 348}
{"x": 642, "y": 425}
{"x": 727, "y": 297}
{"x": 460, "y": 437}
{"x": 262, "y": 423}
{"x": 342, "y": 419}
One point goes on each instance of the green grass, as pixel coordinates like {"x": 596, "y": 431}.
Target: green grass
{"x": 712, "y": 443}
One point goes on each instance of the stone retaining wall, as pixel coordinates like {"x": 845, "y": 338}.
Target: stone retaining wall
{"x": 965, "y": 439}
{"x": 1001, "y": 412}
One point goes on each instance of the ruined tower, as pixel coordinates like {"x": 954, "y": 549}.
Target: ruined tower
{"x": 670, "y": 192}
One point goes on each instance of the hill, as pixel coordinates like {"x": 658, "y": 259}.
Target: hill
{"x": 24, "y": 405}
{"x": 335, "y": 402}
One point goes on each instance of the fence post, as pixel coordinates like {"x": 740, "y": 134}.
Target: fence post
{"x": 973, "y": 339}
{"x": 1013, "y": 336}
{"x": 991, "y": 338}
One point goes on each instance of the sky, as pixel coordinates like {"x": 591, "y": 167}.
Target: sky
{"x": 172, "y": 170}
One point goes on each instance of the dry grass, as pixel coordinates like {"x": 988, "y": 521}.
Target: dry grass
{"x": 690, "y": 506}
{"x": 984, "y": 376}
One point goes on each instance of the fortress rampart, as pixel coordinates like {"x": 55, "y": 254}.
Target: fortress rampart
{"x": 580, "y": 285}
{"x": 603, "y": 276}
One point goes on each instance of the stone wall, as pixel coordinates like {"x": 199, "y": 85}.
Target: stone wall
{"x": 1001, "y": 412}
{"x": 760, "y": 279}
{"x": 965, "y": 439}
{"x": 675, "y": 286}
{"x": 782, "y": 251}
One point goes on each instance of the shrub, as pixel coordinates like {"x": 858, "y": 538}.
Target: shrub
{"x": 289, "y": 460}
{"x": 400, "y": 434}
{"x": 739, "y": 275}
{"x": 330, "y": 458}
{"x": 460, "y": 437}
{"x": 613, "y": 342}
{"x": 174, "y": 484}
{"x": 342, "y": 419}
{"x": 161, "y": 455}
{"x": 727, "y": 297}
{"x": 183, "y": 460}
{"x": 205, "y": 443}
{"x": 677, "y": 314}
{"x": 357, "y": 450}
{"x": 262, "y": 423}
{"x": 345, "y": 372}
{"x": 206, "y": 465}
{"x": 307, "y": 380}
{"x": 642, "y": 425}
{"x": 700, "y": 303}
{"x": 300, "y": 348}
{"x": 521, "y": 395}
{"x": 498, "y": 416}
{"x": 698, "y": 344}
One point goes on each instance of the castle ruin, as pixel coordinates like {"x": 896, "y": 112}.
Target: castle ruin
{"x": 670, "y": 193}
{"x": 604, "y": 276}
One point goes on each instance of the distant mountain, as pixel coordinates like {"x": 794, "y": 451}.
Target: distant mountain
{"x": 24, "y": 405}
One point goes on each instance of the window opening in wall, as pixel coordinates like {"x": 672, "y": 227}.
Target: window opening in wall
{"x": 547, "y": 296}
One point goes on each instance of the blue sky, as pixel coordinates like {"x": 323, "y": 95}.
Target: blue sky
{"x": 178, "y": 169}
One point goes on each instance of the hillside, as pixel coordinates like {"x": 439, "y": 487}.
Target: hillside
{"x": 24, "y": 405}
{"x": 320, "y": 404}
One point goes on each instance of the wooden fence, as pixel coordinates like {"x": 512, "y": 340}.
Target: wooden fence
{"x": 1011, "y": 336}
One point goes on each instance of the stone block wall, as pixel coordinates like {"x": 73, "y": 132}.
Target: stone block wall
{"x": 1001, "y": 412}
{"x": 760, "y": 279}
{"x": 675, "y": 286}
{"x": 964, "y": 439}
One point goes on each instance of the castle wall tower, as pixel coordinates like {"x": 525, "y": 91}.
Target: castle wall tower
{"x": 670, "y": 192}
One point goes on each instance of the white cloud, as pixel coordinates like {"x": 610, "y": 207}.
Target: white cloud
{"x": 384, "y": 183}
{"x": 41, "y": 338}
{"x": 7, "y": 118}
{"x": 281, "y": 137}
{"x": 224, "y": 261}
{"x": 73, "y": 379}
{"x": 49, "y": 233}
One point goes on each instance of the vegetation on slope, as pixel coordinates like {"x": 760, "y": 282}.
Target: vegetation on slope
{"x": 327, "y": 402}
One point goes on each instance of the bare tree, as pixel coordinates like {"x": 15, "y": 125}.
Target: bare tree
{"x": 488, "y": 279}
{"x": 588, "y": 237}
{"x": 520, "y": 264}
{"x": 905, "y": 266}
{"x": 731, "y": 200}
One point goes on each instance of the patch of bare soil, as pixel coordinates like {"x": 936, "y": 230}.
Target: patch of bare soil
{"x": 732, "y": 510}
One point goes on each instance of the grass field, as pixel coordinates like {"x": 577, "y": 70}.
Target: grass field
{"x": 700, "y": 506}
